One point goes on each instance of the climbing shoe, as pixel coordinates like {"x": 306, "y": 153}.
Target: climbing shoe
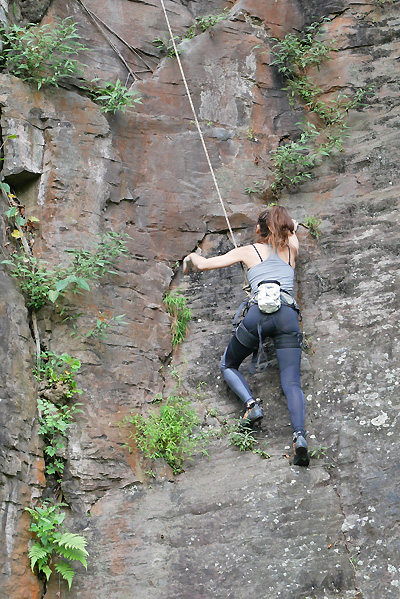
{"x": 253, "y": 414}
{"x": 301, "y": 455}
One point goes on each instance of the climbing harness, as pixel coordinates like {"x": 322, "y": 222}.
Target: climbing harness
{"x": 254, "y": 341}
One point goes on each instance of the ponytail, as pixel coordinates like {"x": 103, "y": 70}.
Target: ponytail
{"x": 275, "y": 226}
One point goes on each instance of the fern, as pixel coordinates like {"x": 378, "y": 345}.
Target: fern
{"x": 73, "y": 541}
{"x": 72, "y": 547}
{"x": 66, "y": 572}
{"x": 54, "y": 541}
{"x": 37, "y": 554}
{"x": 47, "y": 571}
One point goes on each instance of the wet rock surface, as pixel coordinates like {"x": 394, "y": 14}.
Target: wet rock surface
{"x": 233, "y": 524}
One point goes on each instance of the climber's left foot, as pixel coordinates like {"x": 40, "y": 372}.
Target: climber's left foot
{"x": 301, "y": 455}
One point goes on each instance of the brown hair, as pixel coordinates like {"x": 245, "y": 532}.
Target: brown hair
{"x": 275, "y": 226}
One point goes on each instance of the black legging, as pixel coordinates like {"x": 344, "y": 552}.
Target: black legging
{"x": 285, "y": 320}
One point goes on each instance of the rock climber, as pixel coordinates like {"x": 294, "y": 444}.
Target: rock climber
{"x": 271, "y": 258}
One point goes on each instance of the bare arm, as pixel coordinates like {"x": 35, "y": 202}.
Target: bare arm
{"x": 198, "y": 262}
{"x": 245, "y": 254}
{"x": 293, "y": 240}
{"x": 294, "y": 243}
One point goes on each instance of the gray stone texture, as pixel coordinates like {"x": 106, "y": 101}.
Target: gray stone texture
{"x": 28, "y": 11}
{"x": 231, "y": 525}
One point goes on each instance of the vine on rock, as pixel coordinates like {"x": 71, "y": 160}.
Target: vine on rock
{"x": 56, "y": 378}
{"x": 294, "y": 161}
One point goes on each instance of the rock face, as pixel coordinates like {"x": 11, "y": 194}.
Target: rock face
{"x": 231, "y": 525}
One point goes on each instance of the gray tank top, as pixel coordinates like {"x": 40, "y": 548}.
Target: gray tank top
{"x": 271, "y": 269}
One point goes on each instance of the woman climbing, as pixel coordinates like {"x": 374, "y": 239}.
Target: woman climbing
{"x": 271, "y": 259}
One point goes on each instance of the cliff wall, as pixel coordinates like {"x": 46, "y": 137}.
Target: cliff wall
{"x": 232, "y": 524}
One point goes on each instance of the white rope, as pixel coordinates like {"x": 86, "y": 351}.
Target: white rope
{"x": 197, "y": 123}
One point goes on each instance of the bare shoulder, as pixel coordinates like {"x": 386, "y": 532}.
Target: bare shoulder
{"x": 294, "y": 242}
{"x": 251, "y": 255}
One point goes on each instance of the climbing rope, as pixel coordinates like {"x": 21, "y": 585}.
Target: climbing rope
{"x": 197, "y": 123}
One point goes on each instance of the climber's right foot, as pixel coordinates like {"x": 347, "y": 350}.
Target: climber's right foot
{"x": 253, "y": 414}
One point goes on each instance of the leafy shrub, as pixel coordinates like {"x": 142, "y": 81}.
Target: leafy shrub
{"x": 100, "y": 329}
{"x": 54, "y": 423}
{"x": 54, "y": 542}
{"x": 318, "y": 452}
{"x": 35, "y": 280}
{"x": 54, "y": 369}
{"x": 294, "y": 53}
{"x": 114, "y": 96}
{"x": 176, "y": 305}
{"x": 313, "y": 223}
{"x": 167, "y": 47}
{"x": 42, "y": 54}
{"x": 41, "y": 284}
{"x": 169, "y": 433}
{"x": 205, "y": 22}
{"x": 56, "y": 375}
{"x": 201, "y": 24}
{"x": 242, "y": 438}
{"x": 293, "y": 162}
{"x": 257, "y": 187}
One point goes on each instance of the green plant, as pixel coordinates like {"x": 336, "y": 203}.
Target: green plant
{"x": 41, "y": 284}
{"x": 242, "y": 438}
{"x": 34, "y": 279}
{"x": 176, "y": 306}
{"x": 258, "y": 187}
{"x": 167, "y": 48}
{"x": 206, "y": 22}
{"x": 42, "y": 54}
{"x": 201, "y": 24}
{"x": 54, "y": 421}
{"x": 318, "y": 452}
{"x": 262, "y": 453}
{"x": 100, "y": 329}
{"x": 95, "y": 264}
{"x": 56, "y": 377}
{"x": 158, "y": 398}
{"x": 293, "y": 162}
{"x": 307, "y": 344}
{"x": 294, "y": 53}
{"x": 251, "y": 134}
{"x": 54, "y": 542}
{"x": 313, "y": 223}
{"x": 114, "y": 96}
{"x": 54, "y": 370}
{"x": 14, "y": 215}
{"x": 305, "y": 89}
{"x": 170, "y": 433}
